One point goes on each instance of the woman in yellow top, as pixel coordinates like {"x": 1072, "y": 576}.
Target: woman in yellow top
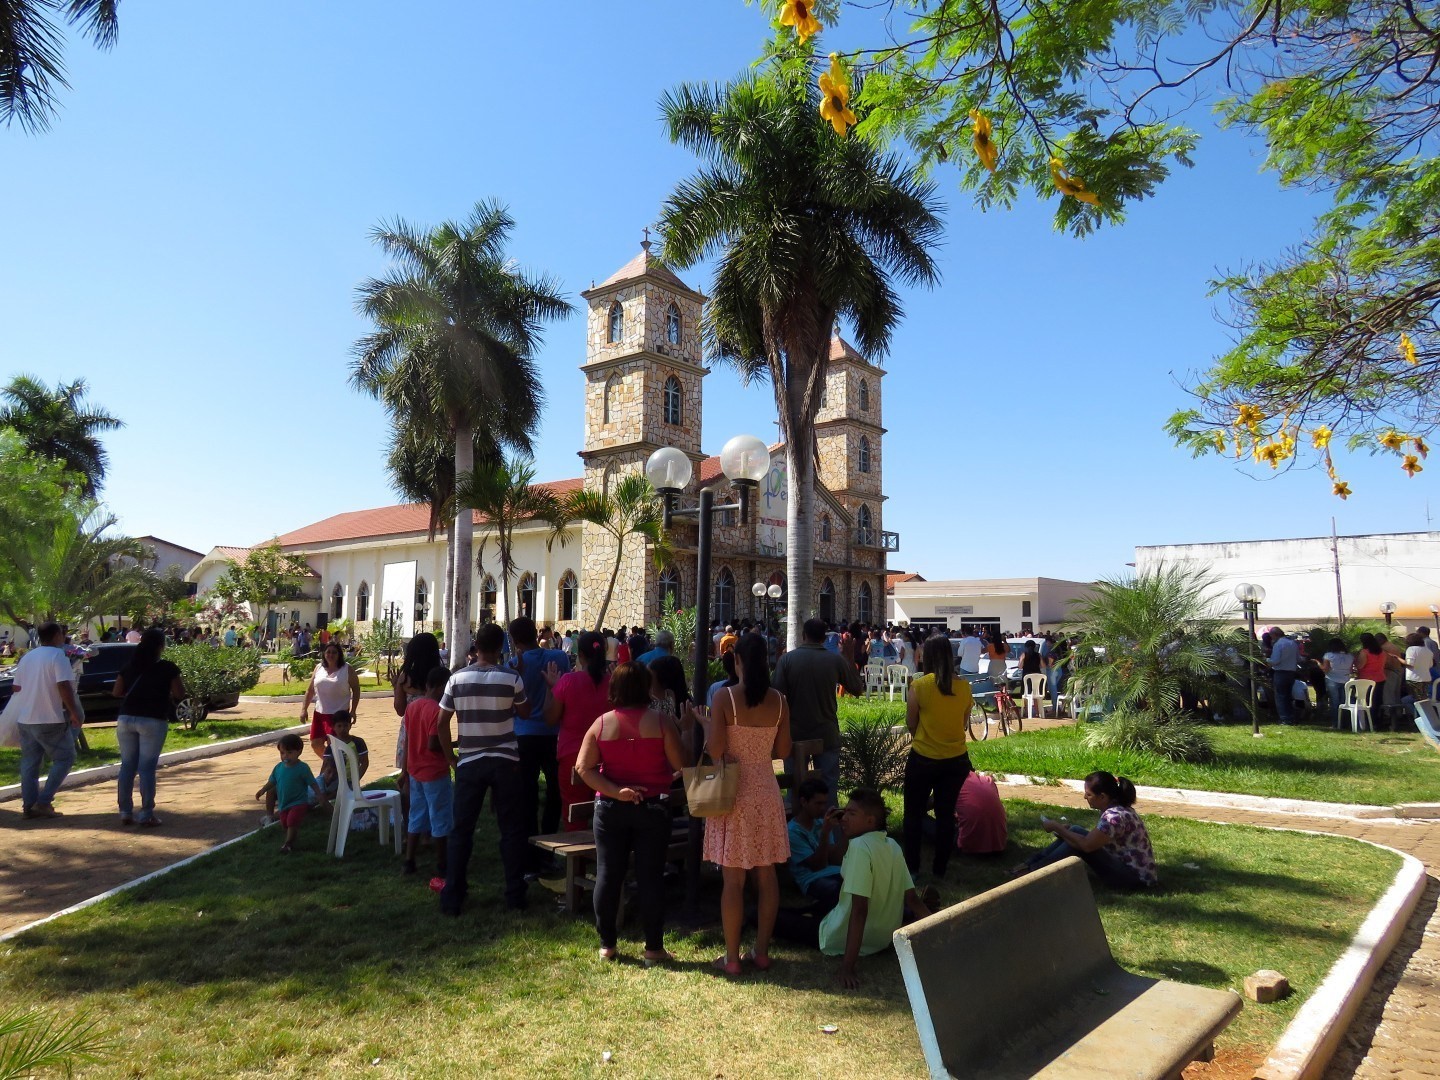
{"x": 936, "y": 711}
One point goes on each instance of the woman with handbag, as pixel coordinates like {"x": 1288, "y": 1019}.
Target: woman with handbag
{"x": 630, "y": 757}
{"x": 150, "y": 687}
{"x": 749, "y": 730}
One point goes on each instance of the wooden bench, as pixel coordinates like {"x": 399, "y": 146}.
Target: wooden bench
{"x": 577, "y": 849}
{"x": 1020, "y": 982}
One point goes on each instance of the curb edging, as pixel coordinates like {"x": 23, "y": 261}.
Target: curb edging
{"x": 100, "y": 773}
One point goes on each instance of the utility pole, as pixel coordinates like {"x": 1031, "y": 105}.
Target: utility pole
{"x": 1335, "y": 555}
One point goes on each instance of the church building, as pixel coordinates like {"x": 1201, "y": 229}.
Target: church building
{"x": 644, "y": 389}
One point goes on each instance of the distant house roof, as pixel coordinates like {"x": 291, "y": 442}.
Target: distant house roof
{"x": 891, "y": 580}
{"x": 230, "y": 552}
{"x": 386, "y": 521}
{"x": 171, "y": 544}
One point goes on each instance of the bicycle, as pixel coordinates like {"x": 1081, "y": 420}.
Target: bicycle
{"x": 1007, "y": 714}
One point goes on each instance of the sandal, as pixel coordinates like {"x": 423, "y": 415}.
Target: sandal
{"x": 661, "y": 957}
{"x": 762, "y": 963}
{"x": 729, "y": 970}
{"x": 608, "y": 953}
{"x": 151, "y": 822}
{"x": 285, "y": 849}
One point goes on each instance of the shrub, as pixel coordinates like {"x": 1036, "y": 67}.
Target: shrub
{"x": 298, "y": 668}
{"x": 1172, "y": 738}
{"x": 873, "y": 752}
{"x": 210, "y": 673}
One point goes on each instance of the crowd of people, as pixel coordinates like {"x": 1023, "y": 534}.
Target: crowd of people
{"x": 1402, "y": 672}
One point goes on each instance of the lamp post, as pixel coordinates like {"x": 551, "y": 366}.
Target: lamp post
{"x": 1388, "y": 610}
{"x": 1435, "y": 613}
{"x": 768, "y": 596}
{"x": 1250, "y": 597}
{"x": 745, "y": 461}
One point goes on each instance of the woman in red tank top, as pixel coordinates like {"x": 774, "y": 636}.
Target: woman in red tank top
{"x": 630, "y": 757}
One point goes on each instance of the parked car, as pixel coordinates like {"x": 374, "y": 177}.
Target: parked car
{"x": 97, "y": 683}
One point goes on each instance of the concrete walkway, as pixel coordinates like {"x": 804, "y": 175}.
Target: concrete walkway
{"x": 46, "y": 866}
{"x": 1397, "y": 1032}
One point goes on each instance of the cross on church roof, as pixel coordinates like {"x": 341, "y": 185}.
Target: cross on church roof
{"x": 645, "y": 243}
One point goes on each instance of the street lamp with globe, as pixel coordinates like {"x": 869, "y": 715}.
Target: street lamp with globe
{"x": 1388, "y": 610}
{"x": 1435, "y": 614}
{"x": 1250, "y": 597}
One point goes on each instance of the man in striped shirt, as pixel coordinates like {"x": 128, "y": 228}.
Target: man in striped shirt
{"x": 484, "y": 700}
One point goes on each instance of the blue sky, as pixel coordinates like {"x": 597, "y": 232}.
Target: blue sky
{"x": 189, "y": 235}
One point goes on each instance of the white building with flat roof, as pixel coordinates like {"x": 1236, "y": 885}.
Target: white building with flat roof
{"x": 1308, "y": 578}
{"x": 1010, "y": 605}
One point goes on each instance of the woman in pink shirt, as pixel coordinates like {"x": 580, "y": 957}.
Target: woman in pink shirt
{"x": 576, "y": 700}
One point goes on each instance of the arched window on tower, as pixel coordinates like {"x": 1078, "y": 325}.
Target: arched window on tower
{"x": 607, "y": 481}
{"x": 569, "y": 606}
{"x": 866, "y": 528}
{"x": 864, "y": 454}
{"x": 610, "y": 385}
{"x": 864, "y": 396}
{"x": 617, "y": 323}
{"x": 863, "y": 603}
{"x": 672, "y": 325}
{"x": 337, "y": 602}
{"x": 672, "y": 401}
{"x": 422, "y": 600}
{"x": 825, "y": 527}
{"x": 362, "y": 603}
{"x": 827, "y": 600}
{"x": 670, "y": 587}
{"x": 526, "y": 595}
{"x": 724, "y": 597}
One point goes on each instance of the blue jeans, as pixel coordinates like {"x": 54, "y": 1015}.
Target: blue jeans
{"x": 1056, "y": 679}
{"x": 1108, "y": 867}
{"x": 141, "y": 739}
{"x": 1284, "y": 682}
{"x": 38, "y": 742}
{"x": 1336, "y": 693}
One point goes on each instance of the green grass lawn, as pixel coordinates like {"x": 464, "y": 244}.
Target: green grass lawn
{"x": 252, "y": 963}
{"x": 297, "y": 687}
{"x": 1308, "y": 762}
{"x": 104, "y": 750}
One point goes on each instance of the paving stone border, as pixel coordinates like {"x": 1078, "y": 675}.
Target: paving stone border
{"x": 100, "y": 773}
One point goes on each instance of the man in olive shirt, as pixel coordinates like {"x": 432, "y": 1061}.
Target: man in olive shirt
{"x": 808, "y": 676}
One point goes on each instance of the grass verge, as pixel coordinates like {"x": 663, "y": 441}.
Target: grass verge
{"x": 297, "y": 687}
{"x": 105, "y": 751}
{"x": 251, "y": 963}
{"x": 1306, "y": 762}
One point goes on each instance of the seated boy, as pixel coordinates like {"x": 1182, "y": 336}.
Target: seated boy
{"x": 876, "y": 889}
{"x": 817, "y": 844}
{"x": 341, "y": 724}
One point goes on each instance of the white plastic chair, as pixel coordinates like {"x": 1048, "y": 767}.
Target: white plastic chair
{"x": 1427, "y": 719}
{"x": 349, "y": 797}
{"x": 874, "y": 677}
{"x": 898, "y": 675}
{"x": 1359, "y": 694}
{"x": 1035, "y": 692}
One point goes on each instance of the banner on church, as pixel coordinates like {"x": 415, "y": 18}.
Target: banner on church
{"x": 773, "y": 509}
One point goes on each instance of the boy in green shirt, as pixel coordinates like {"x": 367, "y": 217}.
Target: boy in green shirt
{"x": 876, "y": 889}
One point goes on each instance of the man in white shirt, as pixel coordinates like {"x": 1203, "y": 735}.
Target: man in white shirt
{"x": 43, "y": 698}
{"x": 969, "y": 655}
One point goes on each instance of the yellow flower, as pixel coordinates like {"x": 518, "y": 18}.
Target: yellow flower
{"x": 1071, "y": 185}
{"x": 801, "y": 15}
{"x": 1407, "y": 349}
{"x": 1392, "y": 440}
{"x": 1420, "y": 447}
{"x": 1412, "y": 465}
{"x": 1249, "y": 416}
{"x": 1320, "y": 437}
{"x": 1272, "y": 453}
{"x": 1220, "y": 443}
{"x": 984, "y": 145}
{"x": 835, "y": 104}
{"x": 1341, "y": 488}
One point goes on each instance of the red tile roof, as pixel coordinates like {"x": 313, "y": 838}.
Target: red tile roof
{"x": 891, "y": 580}
{"x": 709, "y": 470}
{"x": 233, "y": 552}
{"x": 386, "y": 521}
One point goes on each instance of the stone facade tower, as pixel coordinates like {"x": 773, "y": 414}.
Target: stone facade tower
{"x": 643, "y": 390}
{"x": 849, "y": 434}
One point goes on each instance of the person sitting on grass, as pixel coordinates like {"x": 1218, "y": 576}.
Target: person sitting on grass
{"x": 340, "y": 724}
{"x": 876, "y": 890}
{"x": 1117, "y": 849}
{"x": 287, "y": 792}
{"x": 431, "y": 793}
{"x": 980, "y": 817}
{"x": 817, "y": 844}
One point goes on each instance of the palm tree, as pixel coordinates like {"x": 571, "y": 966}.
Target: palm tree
{"x": 30, "y": 66}
{"x": 57, "y": 424}
{"x": 505, "y": 492}
{"x": 631, "y": 508}
{"x": 457, "y": 329}
{"x": 808, "y": 227}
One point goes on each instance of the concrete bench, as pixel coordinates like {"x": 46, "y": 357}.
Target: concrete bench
{"x": 1020, "y": 982}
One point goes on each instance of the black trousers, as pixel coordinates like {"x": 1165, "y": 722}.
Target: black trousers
{"x": 537, "y": 759}
{"x": 942, "y": 777}
{"x": 473, "y": 779}
{"x": 621, "y": 830}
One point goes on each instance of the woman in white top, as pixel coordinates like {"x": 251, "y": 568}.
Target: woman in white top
{"x": 1418, "y": 666}
{"x": 335, "y": 687}
{"x": 904, "y": 650}
{"x": 1339, "y": 667}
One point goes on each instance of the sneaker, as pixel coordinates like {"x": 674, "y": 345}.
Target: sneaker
{"x": 436, "y": 884}
{"x": 44, "y": 810}
{"x": 267, "y": 819}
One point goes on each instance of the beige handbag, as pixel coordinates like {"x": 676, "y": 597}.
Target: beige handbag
{"x": 710, "y": 788}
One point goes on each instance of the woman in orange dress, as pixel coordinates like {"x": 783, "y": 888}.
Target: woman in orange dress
{"x": 751, "y": 729}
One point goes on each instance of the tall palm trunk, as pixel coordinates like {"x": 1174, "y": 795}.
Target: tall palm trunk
{"x": 797, "y": 400}
{"x": 447, "y": 593}
{"x": 610, "y": 589}
{"x": 458, "y": 632}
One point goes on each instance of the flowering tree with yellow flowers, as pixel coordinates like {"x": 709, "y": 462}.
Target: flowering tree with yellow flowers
{"x": 1084, "y": 103}
{"x": 809, "y": 226}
